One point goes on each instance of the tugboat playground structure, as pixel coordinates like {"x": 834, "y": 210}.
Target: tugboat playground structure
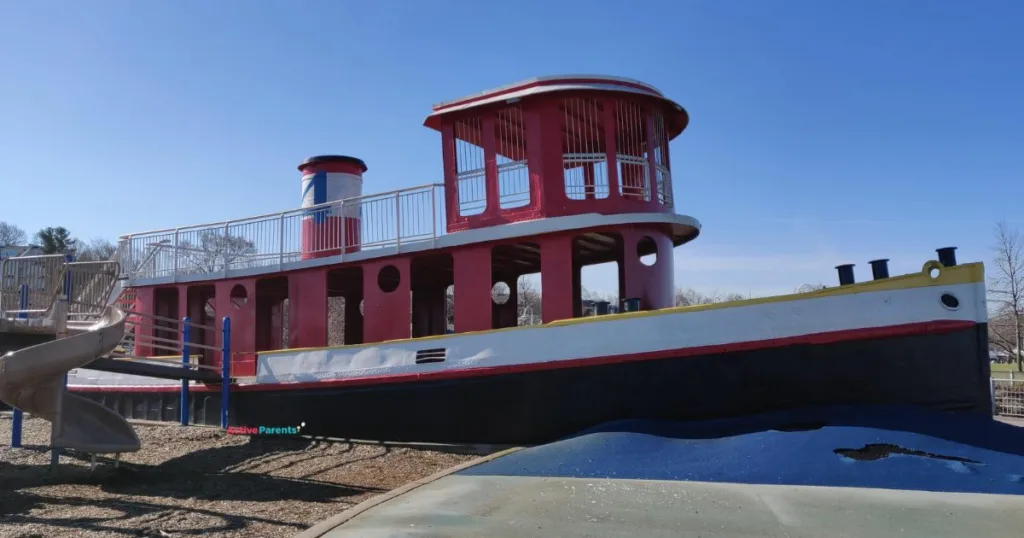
{"x": 543, "y": 177}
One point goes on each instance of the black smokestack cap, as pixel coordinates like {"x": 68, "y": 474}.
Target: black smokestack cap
{"x": 947, "y": 256}
{"x": 845, "y": 274}
{"x": 879, "y": 269}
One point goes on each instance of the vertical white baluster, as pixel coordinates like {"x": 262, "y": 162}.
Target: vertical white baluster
{"x": 433, "y": 213}
{"x": 176, "y": 250}
{"x": 398, "y": 221}
{"x": 280, "y": 241}
{"x": 223, "y": 249}
{"x": 344, "y": 229}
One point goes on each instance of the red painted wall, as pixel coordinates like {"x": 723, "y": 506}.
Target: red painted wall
{"x": 472, "y": 288}
{"x": 556, "y": 277}
{"x": 307, "y": 308}
{"x": 243, "y": 324}
{"x": 654, "y": 284}
{"x": 386, "y": 315}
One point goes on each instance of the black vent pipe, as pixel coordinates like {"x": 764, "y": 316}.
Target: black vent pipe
{"x": 879, "y": 269}
{"x": 845, "y": 274}
{"x": 947, "y": 256}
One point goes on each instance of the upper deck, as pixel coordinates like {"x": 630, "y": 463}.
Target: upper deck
{"x": 540, "y": 156}
{"x": 407, "y": 220}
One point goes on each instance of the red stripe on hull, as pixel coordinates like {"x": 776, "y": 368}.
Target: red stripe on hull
{"x": 911, "y": 329}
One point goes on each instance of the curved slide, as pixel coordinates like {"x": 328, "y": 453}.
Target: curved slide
{"x": 32, "y": 379}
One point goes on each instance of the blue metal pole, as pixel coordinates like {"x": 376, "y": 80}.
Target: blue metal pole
{"x": 67, "y": 277}
{"x": 225, "y": 371}
{"x": 23, "y": 301}
{"x": 16, "y": 428}
{"x": 185, "y": 357}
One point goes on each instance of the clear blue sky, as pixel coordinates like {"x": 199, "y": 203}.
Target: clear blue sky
{"x": 821, "y": 132}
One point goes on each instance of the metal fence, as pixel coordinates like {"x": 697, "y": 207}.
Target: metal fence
{"x": 88, "y": 287}
{"x": 1008, "y": 397}
{"x": 367, "y": 222}
{"x": 30, "y": 284}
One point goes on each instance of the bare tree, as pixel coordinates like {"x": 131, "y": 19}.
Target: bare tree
{"x": 214, "y": 251}
{"x": 1006, "y": 292}
{"x": 590, "y": 295}
{"x": 11, "y": 235}
{"x": 96, "y": 250}
{"x": 528, "y": 308}
{"x": 808, "y": 288}
{"x": 692, "y": 297}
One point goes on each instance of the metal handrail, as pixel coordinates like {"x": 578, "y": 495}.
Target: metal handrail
{"x": 271, "y": 240}
{"x": 49, "y": 268}
{"x": 311, "y": 208}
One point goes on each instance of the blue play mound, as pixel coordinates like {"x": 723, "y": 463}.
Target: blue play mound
{"x": 872, "y": 447}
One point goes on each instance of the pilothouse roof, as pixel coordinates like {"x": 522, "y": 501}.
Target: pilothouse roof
{"x": 677, "y": 115}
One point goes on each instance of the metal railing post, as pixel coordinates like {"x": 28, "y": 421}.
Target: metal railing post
{"x": 68, "y": 258}
{"x": 280, "y": 241}
{"x": 398, "y": 221}
{"x": 433, "y": 213}
{"x": 61, "y": 317}
{"x": 227, "y": 230}
{"x": 176, "y": 251}
{"x": 186, "y": 358}
{"x": 225, "y": 372}
{"x": 344, "y": 228}
{"x": 131, "y": 259}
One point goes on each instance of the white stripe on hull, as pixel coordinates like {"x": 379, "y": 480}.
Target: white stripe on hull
{"x": 615, "y": 336}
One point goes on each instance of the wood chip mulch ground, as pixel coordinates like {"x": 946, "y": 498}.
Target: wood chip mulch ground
{"x": 197, "y": 481}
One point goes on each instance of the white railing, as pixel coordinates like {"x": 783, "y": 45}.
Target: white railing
{"x": 270, "y": 241}
{"x": 30, "y": 284}
{"x": 1008, "y": 397}
{"x": 89, "y": 286}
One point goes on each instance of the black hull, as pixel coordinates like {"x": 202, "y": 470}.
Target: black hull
{"x": 947, "y": 371}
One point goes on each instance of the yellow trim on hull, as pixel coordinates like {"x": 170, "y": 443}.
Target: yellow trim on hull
{"x": 969, "y": 273}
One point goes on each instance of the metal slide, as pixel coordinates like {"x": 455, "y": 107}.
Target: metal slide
{"x": 32, "y": 379}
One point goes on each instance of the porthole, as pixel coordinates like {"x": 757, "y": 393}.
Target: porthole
{"x": 500, "y": 293}
{"x": 239, "y": 296}
{"x": 950, "y": 301}
{"x": 388, "y": 278}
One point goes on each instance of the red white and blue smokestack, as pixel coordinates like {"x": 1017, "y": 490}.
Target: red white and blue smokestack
{"x": 330, "y": 178}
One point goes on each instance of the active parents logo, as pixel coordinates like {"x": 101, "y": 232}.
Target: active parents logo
{"x": 265, "y": 430}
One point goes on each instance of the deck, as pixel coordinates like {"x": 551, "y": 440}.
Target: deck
{"x": 402, "y": 221}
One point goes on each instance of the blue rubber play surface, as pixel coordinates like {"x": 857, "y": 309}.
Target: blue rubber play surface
{"x": 877, "y": 447}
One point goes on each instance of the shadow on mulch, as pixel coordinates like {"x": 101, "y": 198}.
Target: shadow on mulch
{"x": 214, "y": 474}
{"x": 157, "y": 514}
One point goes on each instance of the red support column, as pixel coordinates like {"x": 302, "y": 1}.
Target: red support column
{"x": 243, "y": 323}
{"x": 472, "y": 288}
{"x": 307, "y": 309}
{"x": 556, "y": 278}
{"x": 386, "y": 314}
{"x": 653, "y": 285}
{"x": 535, "y": 143}
{"x": 451, "y": 182}
{"x": 555, "y": 200}
{"x": 144, "y": 304}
